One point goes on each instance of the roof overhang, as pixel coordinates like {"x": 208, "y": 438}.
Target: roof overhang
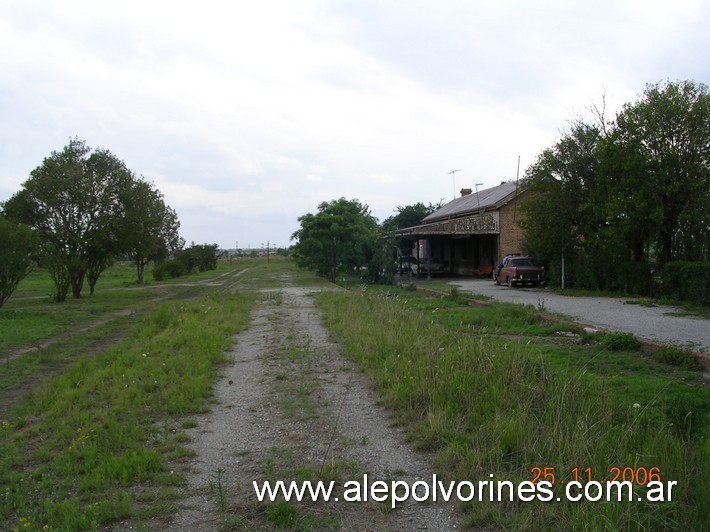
{"x": 484, "y": 223}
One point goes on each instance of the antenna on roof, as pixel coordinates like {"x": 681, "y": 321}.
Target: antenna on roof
{"x": 453, "y": 173}
{"x": 477, "y": 196}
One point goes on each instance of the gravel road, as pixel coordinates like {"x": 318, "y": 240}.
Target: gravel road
{"x": 289, "y": 404}
{"x": 656, "y": 323}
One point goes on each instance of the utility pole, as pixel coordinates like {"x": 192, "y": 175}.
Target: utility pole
{"x": 453, "y": 173}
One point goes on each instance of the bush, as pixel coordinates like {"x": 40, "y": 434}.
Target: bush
{"x": 687, "y": 281}
{"x": 17, "y": 245}
{"x": 678, "y": 357}
{"x": 620, "y": 341}
{"x": 169, "y": 269}
{"x": 195, "y": 258}
{"x": 635, "y": 278}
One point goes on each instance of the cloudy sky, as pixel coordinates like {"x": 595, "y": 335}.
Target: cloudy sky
{"x": 248, "y": 113}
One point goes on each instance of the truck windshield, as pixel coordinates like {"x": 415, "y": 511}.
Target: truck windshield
{"x": 522, "y": 262}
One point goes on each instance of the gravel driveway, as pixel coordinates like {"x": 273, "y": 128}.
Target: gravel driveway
{"x": 657, "y": 323}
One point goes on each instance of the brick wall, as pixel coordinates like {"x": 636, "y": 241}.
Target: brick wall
{"x": 511, "y": 235}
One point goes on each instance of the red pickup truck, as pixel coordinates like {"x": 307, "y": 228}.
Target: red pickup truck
{"x": 520, "y": 271}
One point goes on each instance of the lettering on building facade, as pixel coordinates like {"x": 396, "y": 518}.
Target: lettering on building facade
{"x": 478, "y": 224}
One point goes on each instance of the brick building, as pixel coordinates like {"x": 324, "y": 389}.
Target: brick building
{"x": 472, "y": 233}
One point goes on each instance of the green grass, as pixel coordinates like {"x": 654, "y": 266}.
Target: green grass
{"x": 486, "y": 390}
{"x": 494, "y": 391}
{"x": 78, "y": 452}
{"x": 29, "y": 317}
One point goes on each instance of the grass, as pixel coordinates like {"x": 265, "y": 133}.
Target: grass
{"x": 29, "y": 317}
{"x": 493, "y": 391}
{"x": 82, "y": 450}
{"x": 486, "y": 390}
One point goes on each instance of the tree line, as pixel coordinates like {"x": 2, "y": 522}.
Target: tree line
{"x": 614, "y": 202}
{"x": 77, "y": 212}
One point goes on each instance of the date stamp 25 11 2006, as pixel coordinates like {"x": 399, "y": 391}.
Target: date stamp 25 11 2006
{"x": 636, "y": 475}
{"x": 621, "y": 483}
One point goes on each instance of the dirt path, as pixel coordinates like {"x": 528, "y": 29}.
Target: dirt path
{"x": 291, "y": 407}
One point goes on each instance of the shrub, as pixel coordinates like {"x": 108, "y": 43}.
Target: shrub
{"x": 620, "y": 341}
{"x": 678, "y": 357}
{"x": 18, "y": 243}
{"x": 169, "y": 269}
{"x": 687, "y": 281}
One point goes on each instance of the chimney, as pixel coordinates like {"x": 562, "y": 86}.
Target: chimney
{"x": 465, "y": 192}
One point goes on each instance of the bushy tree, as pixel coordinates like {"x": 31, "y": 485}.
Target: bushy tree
{"x": 71, "y": 200}
{"x": 18, "y": 245}
{"x": 197, "y": 257}
{"x": 559, "y": 218}
{"x": 657, "y": 165}
{"x": 622, "y": 199}
{"x": 407, "y": 216}
{"x": 340, "y": 236}
{"x": 88, "y": 207}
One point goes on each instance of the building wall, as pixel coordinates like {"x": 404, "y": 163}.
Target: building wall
{"x": 511, "y": 234}
{"x": 469, "y": 256}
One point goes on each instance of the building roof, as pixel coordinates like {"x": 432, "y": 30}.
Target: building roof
{"x": 483, "y": 200}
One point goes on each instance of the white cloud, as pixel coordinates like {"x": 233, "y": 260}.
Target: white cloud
{"x": 253, "y": 113}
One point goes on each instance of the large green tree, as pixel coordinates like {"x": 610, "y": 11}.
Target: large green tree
{"x": 71, "y": 200}
{"x": 87, "y": 207}
{"x": 621, "y": 198}
{"x": 18, "y": 244}
{"x": 657, "y": 168}
{"x": 341, "y": 235}
{"x": 559, "y": 217}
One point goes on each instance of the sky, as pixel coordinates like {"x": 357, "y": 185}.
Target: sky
{"x": 247, "y": 114}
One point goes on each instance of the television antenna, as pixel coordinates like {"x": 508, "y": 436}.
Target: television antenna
{"x": 453, "y": 173}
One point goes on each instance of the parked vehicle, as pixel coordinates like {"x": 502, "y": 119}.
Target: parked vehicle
{"x": 403, "y": 264}
{"x": 435, "y": 266}
{"x": 516, "y": 270}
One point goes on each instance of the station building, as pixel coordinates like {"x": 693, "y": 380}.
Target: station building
{"x": 472, "y": 233}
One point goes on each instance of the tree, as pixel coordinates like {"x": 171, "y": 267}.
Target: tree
{"x": 618, "y": 199}
{"x": 17, "y": 246}
{"x": 149, "y": 227}
{"x": 407, "y": 216}
{"x": 559, "y": 213}
{"x": 72, "y": 201}
{"x": 340, "y": 236}
{"x": 657, "y": 163}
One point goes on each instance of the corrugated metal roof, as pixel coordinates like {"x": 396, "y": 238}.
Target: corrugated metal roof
{"x": 476, "y": 202}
